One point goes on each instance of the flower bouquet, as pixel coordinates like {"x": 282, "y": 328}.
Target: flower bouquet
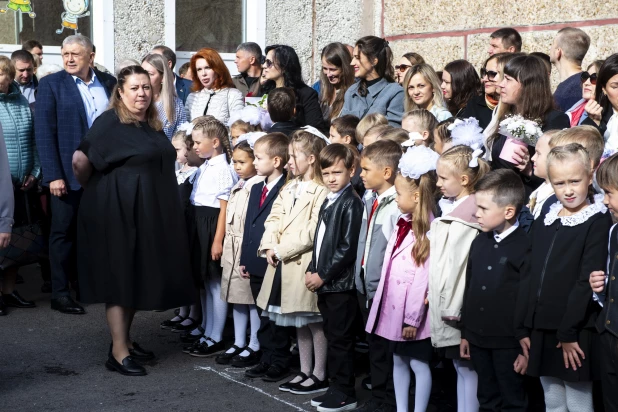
{"x": 519, "y": 132}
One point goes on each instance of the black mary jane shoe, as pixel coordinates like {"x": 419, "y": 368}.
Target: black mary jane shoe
{"x": 316, "y": 387}
{"x": 169, "y": 324}
{"x": 179, "y": 327}
{"x": 247, "y": 361}
{"x": 128, "y": 367}
{"x": 187, "y": 337}
{"x": 141, "y": 354}
{"x": 204, "y": 350}
{"x": 289, "y": 386}
{"x": 225, "y": 358}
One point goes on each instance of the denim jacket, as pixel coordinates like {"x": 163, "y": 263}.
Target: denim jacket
{"x": 382, "y": 97}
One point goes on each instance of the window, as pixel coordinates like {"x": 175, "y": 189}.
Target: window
{"x": 216, "y": 24}
{"x": 49, "y": 17}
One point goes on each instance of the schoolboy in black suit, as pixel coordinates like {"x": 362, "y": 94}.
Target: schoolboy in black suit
{"x": 271, "y": 155}
{"x": 491, "y": 319}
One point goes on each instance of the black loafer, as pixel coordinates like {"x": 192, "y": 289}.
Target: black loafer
{"x": 187, "y": 337}
{"x": 179, "y": 327}
{"x": 225, "y": 358}
{"x": 66, "y": 304}
{"x": 247, "y": 361}
{"x": 275, "y": 374}
{"x": 288, "y": 386}
{"x": 169, "y": 324}
{"x": 258, "y": 371}
{"x": 316, "y": 387}
{"x": 203, "y": 350}
{"x": 141, "y": 354}
{"x": 129, "y": 367}
{"x": 13, "y": 300}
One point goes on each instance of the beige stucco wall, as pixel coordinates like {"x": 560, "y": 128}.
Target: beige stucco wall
{"x": 138, "y": 26}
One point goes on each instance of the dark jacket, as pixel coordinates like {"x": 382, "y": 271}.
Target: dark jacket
{"x": 287, "y": 128}
{"x": 477, "y": 108}
{"x": 608, "y": 319}
{"x": 308, "y": 110}
{"x": 183, "y": 88}
{"x": 254, "y": 228}
{"x": 60, "y": 124}
{"x": 240, "y": 82}
{"x": 494, "y": 280}
{"x": 339, "y": 245}
{"x": 559, "y": 296}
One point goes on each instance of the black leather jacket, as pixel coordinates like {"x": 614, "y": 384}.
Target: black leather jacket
{"x": 338, "y": 250}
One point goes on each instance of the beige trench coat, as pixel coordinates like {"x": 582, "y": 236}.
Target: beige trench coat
{"x": 234, "y": 288}
{"x": 290, "y": 228}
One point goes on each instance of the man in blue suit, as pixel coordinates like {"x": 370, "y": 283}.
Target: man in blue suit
{"x": 183, "y": 86}
{"x": 67, "y": 104}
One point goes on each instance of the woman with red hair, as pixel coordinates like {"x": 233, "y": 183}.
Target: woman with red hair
{"x": 213, "y": 90}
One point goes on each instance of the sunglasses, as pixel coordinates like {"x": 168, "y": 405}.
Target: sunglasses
{"x": 491, "y": 75}
{"x": 593, "y": 77}
{"x": 268, "y": 63}
{"x": 402, "y": 67}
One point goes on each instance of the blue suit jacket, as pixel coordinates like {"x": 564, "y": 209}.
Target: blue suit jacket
{"x": 254, "y": 228}
{"x": 183, "y": 88}
{"x": 60, "y": 123}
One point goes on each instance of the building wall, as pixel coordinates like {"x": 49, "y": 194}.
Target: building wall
{"x": 138, "y": 26}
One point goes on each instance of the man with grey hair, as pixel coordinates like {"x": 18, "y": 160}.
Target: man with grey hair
{"x": 67, "y": 104}
{"x": 249, "y": 63}
{"x": 567, "y": 53}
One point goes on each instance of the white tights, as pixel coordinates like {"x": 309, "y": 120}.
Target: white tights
{"x": 467, "y": 384}
{"x": 242, "y": 314}
{"x": 561, "y": 396}
{"x": 401, "y": 379}
{"x": 215, "y": 310}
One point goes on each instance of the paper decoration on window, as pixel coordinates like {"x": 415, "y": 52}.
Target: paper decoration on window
{"x": 74, "y": 9}
{"x": 21, "y": 6}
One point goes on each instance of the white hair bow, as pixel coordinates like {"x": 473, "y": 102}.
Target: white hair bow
{"x": 417, "y": 161}
{"x": 474, "y": 162}
{"x": 250, "y": 138}
{"x": 187, "y": 128}
{"x": 316, "y": 132}
{"x": 414, "y": 136}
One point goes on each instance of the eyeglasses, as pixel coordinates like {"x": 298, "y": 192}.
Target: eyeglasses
{"x": 593, "y": 77}
{"x": 268, "y": 63}
{"x": 402, "y": 67}
{"x": 491, "y": 75}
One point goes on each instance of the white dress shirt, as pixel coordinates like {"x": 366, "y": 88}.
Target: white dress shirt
{"x": 330, "y": 198}
{"x": 214, "y": 181}
{"x": 498, "y": 237}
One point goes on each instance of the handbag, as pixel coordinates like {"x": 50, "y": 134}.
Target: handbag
{"x": 27, "y": 241}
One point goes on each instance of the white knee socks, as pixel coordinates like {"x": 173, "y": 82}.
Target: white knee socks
{"x": 401, "y": 379}
{"x": 561, "y": 396}
{"x": 467, "y": 384}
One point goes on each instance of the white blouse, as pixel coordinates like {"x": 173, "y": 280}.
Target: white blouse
{"x": 213, "y": 182}
{"x": 220, "y": 103}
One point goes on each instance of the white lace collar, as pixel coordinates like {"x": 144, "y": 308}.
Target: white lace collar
{"x": 577, "y": 218}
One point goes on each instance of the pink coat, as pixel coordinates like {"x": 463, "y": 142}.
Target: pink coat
{"x": 400, "y": 298}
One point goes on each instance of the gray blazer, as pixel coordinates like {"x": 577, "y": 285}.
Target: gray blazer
{"x": 382, "y": 97}
{"x": 6, "y": 190}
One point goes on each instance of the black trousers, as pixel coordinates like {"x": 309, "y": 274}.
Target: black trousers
{"x": 609, "y": 369}
{"x": 338, "y": 310}
{"x": 500, "y": 387}
{"x": 62, "y": 236}
{"x": 380, "y": 360}
{"x": 274, "y": 340}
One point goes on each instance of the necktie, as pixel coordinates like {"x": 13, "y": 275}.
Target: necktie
{"x": 404, "y": 228}
{"x": 264, "y": 194}
{"x": 373, "y": 210}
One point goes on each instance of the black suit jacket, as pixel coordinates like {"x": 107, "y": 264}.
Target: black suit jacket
{"x": 254, "y": 228}
{"x": 183, "y": 88}
{"x": 287, "y": 128}
{"x": 477, "y": 108}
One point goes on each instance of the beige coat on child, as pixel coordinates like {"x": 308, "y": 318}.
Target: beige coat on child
{"x": 290, "y": 229}
{"x": 235, "y": 288}
{"x": 450, "y": 240}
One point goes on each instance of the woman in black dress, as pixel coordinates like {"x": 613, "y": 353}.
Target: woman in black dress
{"x": 132, "y": 242}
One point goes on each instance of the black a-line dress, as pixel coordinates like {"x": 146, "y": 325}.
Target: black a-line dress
{"x": 131, "y": 236}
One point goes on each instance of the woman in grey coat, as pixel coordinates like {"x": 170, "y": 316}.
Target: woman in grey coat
{"x": 376, "y": 90}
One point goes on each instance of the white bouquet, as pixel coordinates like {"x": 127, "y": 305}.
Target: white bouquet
{"x": 517, "y": 128}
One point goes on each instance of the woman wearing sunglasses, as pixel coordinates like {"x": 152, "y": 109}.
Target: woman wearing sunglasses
{"x": 482, "y": 106}
{"x": 282, "y": 68}
{"x": 587, "y": 110}
{"x": 606, "y": 94}
{"x": 376, "y": 90}
{"x": 405, "y": 64}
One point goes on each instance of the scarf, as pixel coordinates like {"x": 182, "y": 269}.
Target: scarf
{"x": 491, "y": 102}
{"x": 576, "y": 114}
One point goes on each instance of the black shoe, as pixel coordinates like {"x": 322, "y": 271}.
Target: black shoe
{"x": 225, "y": 358}
{"x": 179, "y": 327}
{"x": 47, "y": 287}
{"x": 3, "y": 310}
{"x": 288, "y": 386}
{"x": 317, "y": 387}
{"x": 141, "y": 354}
{"x": 336, "y": 402}
{"x": 128, "y": 367}
{"x": 191, "y": 347}
{"x": 257, "y": 371}
{"x": 187, "y": 337}
{"x": 247, "y": 361}
{"x": 169, "y": 324}
{"x": 13, "y": 300}
{"x": 366, "y": 383}
{"x": 275, "y": 374}
{"x": 318, "y": 400}
{"x": 66, "y": 304}
{"x": 372, "y": 405}
{"x": 203, "y": 350}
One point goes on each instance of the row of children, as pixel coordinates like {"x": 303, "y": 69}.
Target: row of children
{"x": 497, "y": 301}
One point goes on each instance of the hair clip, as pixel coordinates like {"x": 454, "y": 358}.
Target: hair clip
{"x": 414, "y": 136}
{"x": 187, "y": 128}
{"x": 250, "y": 138}
{"x": 316, "y": 132}
{"x": 474, "y": 162}
{"x": 417, "y": 161}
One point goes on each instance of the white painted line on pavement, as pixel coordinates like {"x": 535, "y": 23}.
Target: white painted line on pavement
{"x": 228, "y": 377}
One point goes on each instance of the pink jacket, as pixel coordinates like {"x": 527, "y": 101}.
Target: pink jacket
{"x": 400, "y": 298}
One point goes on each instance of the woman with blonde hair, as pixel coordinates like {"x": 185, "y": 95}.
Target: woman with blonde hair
{"x": 169, "y": 106}
{"x": 422, "y": 87}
